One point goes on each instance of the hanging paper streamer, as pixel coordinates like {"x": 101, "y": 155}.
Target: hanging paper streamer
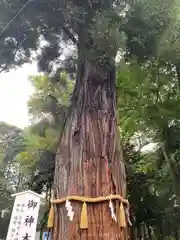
{"x": 69, "y": 210}
{"x": 113, "y": 215}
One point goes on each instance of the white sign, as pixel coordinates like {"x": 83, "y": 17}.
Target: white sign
{"x": 24, "y": 216}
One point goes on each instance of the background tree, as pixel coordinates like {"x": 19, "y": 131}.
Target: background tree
{"x": 8, "y": 174}
{"x": 153, "y": 89}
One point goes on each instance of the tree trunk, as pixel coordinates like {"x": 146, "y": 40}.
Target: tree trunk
{"x": 89, "y": 159}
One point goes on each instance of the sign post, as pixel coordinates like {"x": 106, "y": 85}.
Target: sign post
{"x": 24, "y": 216}
{"x": 46, "y": 236}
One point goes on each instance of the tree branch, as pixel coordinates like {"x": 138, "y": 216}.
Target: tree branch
{"x": 69, "y": 34}
{"x": 63, "y": 27}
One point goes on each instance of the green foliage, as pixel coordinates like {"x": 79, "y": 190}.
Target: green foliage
{"x": 4, "y": 224}
{"x": 53, "y": 23}
{"x": 50, "y": 99}
{"x": 152, "y": 28}
{"x": 48, "y": 107}
{"x": 29, "y": 155}
{"x": 8, "y": 176}
{"x": 148, "y": 109}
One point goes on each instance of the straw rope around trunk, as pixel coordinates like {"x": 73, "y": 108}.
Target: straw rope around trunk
{"x": 85, "y": 200}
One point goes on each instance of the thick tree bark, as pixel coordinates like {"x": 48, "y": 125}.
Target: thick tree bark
{"x": 89, "y": 144}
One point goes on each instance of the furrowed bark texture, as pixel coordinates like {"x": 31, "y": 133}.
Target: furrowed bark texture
{"x": 90, "y": 143}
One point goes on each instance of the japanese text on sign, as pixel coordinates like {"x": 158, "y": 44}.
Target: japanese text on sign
{"x": 24, "y": 217}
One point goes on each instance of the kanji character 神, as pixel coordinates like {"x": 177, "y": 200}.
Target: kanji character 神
{"x": 29, "y": 220}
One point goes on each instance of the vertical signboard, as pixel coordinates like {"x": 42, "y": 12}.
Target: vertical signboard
{"x": 24, "y": 216}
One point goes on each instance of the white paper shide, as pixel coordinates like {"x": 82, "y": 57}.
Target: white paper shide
{"x": 113, "y": 215}
{"x": 70, "y": 213}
